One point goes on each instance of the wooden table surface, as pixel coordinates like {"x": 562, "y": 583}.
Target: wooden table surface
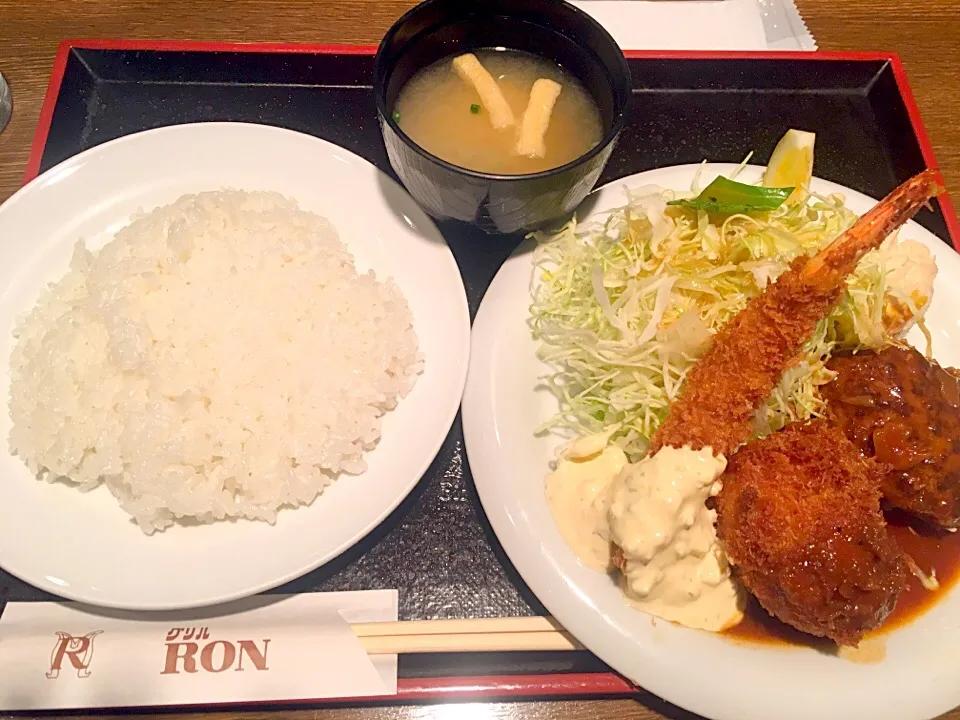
{"x": 925, "y": 34}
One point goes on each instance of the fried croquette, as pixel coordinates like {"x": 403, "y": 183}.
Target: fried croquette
{"x": 799, "y": 517}
{"x": 904, "y": 410}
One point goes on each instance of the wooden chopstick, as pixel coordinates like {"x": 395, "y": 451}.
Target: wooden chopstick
{"x": 458, "y": 627}
{"x": 471, "y": 642}
{"x": 475, "y": 635}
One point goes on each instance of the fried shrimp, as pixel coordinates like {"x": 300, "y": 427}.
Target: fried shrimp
{"x": 829, "y": 568}
{"x": 747, "y": 356}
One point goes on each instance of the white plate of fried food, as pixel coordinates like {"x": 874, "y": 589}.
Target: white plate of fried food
{"x": 558, "y": 428}
{"x": 235, "y": 376}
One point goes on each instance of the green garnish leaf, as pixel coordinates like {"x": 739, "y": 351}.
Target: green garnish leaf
{"x": 396, "y": 117}
{"x": 728, "y": 196}
{"x": 475, "y": 109}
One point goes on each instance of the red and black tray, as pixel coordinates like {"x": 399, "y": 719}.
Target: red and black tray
{"x": 437, "y": 548}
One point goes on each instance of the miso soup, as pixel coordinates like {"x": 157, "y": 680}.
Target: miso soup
{"x": 444, "y": 113}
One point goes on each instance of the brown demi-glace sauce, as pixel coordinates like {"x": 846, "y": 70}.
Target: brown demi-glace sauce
{"x": 929, "y": 548}
{"x": 897, "y": 406}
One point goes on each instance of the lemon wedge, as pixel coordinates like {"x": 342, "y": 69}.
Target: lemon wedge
{"x": 791, "y": 164}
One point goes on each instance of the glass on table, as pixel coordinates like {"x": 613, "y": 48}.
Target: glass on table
{"x": 6, "y": 103}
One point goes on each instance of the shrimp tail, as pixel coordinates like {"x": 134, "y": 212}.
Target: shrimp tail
{"x": 832, "y": 265}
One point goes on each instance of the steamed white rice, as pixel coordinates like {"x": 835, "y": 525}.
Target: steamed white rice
{"x": 220, "y": 357}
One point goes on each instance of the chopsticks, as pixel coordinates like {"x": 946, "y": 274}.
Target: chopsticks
{"x": 475, "y": 635}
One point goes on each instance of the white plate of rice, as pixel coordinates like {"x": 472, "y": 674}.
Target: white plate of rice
{"x": 249, "y": 361}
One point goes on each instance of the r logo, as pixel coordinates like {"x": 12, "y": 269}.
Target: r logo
{"x": 79, "y": 650}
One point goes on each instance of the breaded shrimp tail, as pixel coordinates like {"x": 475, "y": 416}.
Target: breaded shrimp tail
{"x": 740, "y": 370}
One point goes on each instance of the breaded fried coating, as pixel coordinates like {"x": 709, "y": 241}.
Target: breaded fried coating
{"x": 904, "y": 410}
{"x": 799, "y": 516}
{"x": 743, "y": 365}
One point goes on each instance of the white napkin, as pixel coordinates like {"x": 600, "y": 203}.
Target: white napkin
{"x": 262, "y": 649}
{"x": 702, "y": 24}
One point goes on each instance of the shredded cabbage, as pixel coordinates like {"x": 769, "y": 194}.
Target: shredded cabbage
{"x": 623, "y": 306}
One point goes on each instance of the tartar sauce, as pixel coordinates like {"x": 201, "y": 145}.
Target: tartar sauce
{"x": 655, "y": 511}
{"x": 578, "y": 493}
{"x": 675, "y": 567}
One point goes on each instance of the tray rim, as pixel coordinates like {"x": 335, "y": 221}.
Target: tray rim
{"x": 899, "y": 72}
{"x": 592, "y": 684}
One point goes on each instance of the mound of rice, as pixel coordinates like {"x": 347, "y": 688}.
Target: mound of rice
{"x": 220, "y": 357}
